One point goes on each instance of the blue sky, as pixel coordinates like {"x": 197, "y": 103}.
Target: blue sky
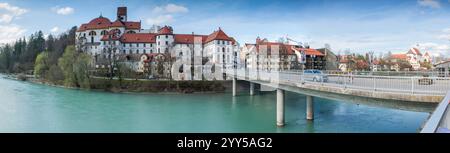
{"x": 354, "y": 25}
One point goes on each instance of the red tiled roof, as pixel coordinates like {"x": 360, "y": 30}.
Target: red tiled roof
{"x": 104, "y": 23}
{"x": 97, "y": 23}
{"x": 414, "y": 51}
{"x": 311, "y": 51}
{"x": 217, "y": 35}
{"x": 399, "y": 56}
{"x": 138, "y": 38}
{"x": 289, "y": 48}
{"x": 133, "y": 25}
{"x": 117, "y": 23}
{"x": 188, "y": 38}
{"x": 165, "y": 31}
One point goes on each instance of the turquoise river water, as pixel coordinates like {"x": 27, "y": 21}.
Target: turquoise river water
{"x": 28, "y": 107}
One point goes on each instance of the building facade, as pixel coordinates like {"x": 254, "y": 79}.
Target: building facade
{"x": 108, "y": 39}
{"x": 259, "y": 55}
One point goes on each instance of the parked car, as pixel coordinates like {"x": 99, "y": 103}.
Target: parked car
{"x": 315, "y": 76}
{"x": 425, "y": 80}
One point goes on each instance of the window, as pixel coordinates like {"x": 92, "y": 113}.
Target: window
{"x": 159, "y": 51}
{"x": 104, "y": 43}
{"x": 144, "y": 44}
{"x": 104, "y": 32}
{"x": 123, "y": 45}
{"x": 124, "y": 51}
{"x": 137, "y": 44}
{"x": 151, "y": 45}
{"x": 130, "y": 44}
{"x": 131, "y": 51}
{"x": 151, "y": 50}
{"x": 144, "y": 51}
{"x": 92, "y": 39}
{"x": 167, "y": 36}
{"x": 131, "y": 31}
{"x": 158, "y": 42}
{"x": 92, "y": 33}
{"x": 167, "y": 43}
{"x": 118, "y": 31}
{"x": 137, "y": 51}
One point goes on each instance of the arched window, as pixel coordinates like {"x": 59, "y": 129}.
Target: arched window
{"x": 117, "y": 31}
{"x": 104, "y": 32}
{"x": 92, "y": 33}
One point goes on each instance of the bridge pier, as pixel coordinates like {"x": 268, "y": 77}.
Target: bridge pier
{"x": 309, "y": 108}
{"x": 252, "y": 88}
{"x": 234, "y": 86}
{"x": 280, "y": 107}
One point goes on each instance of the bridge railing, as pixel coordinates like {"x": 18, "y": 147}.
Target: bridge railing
{"x": 386, "y": 73}
{"x": 439, "y": 121}
{"x": 401, "y": 84}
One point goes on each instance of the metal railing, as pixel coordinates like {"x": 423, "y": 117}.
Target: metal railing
{"x": 439, "y": 121}
{"x": 401, "y": 84}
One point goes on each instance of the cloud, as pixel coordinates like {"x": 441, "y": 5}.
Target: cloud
{"x": 445, "y": 35}
{"x": 9, "y": 13}
{"x": 16, "y": 11}
{"x": 161, "y": 19}
{"x": 63, "y": 10}
{"x": 433, "y": 48}
{"x": 165, "y": 14}
{"x": 10, "y": 33}
{"x": 429, "y": 3}
{"x": 170, "y": 8}
{"x": 54, "y": 29}
{"x": 5, "y": 18}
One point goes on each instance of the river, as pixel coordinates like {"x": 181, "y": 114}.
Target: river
{"x": 29, "y": 107}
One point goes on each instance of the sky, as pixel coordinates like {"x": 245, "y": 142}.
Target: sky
{"x": 346, "y": 25}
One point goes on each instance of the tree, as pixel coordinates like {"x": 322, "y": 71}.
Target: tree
{"x": 75, "y": 67}
{"x": 81, "y": 70}
{"x": 66, "y": 65}
{"x": 41, "y": 66}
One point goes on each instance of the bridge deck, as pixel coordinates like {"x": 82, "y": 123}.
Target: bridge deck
{"x": 405, "y": 88}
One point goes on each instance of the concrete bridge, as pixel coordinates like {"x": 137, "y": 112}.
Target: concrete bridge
{"x": 362, "y": 88}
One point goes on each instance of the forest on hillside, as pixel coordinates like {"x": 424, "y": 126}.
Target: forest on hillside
{"x": 20, "y": 56}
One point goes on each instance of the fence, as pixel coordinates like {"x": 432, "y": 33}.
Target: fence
{"x": 401, "y": 84}
{"x": 439, "y": 121}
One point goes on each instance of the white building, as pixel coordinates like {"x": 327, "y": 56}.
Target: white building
{"x": 101, "y": 37}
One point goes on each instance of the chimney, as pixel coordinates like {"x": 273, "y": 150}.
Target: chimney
{"x": 122, "y": 13}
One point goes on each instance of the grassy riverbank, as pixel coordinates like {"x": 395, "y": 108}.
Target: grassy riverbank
{"x": 132, "y": 85}
{"x": 157, "y": 85}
